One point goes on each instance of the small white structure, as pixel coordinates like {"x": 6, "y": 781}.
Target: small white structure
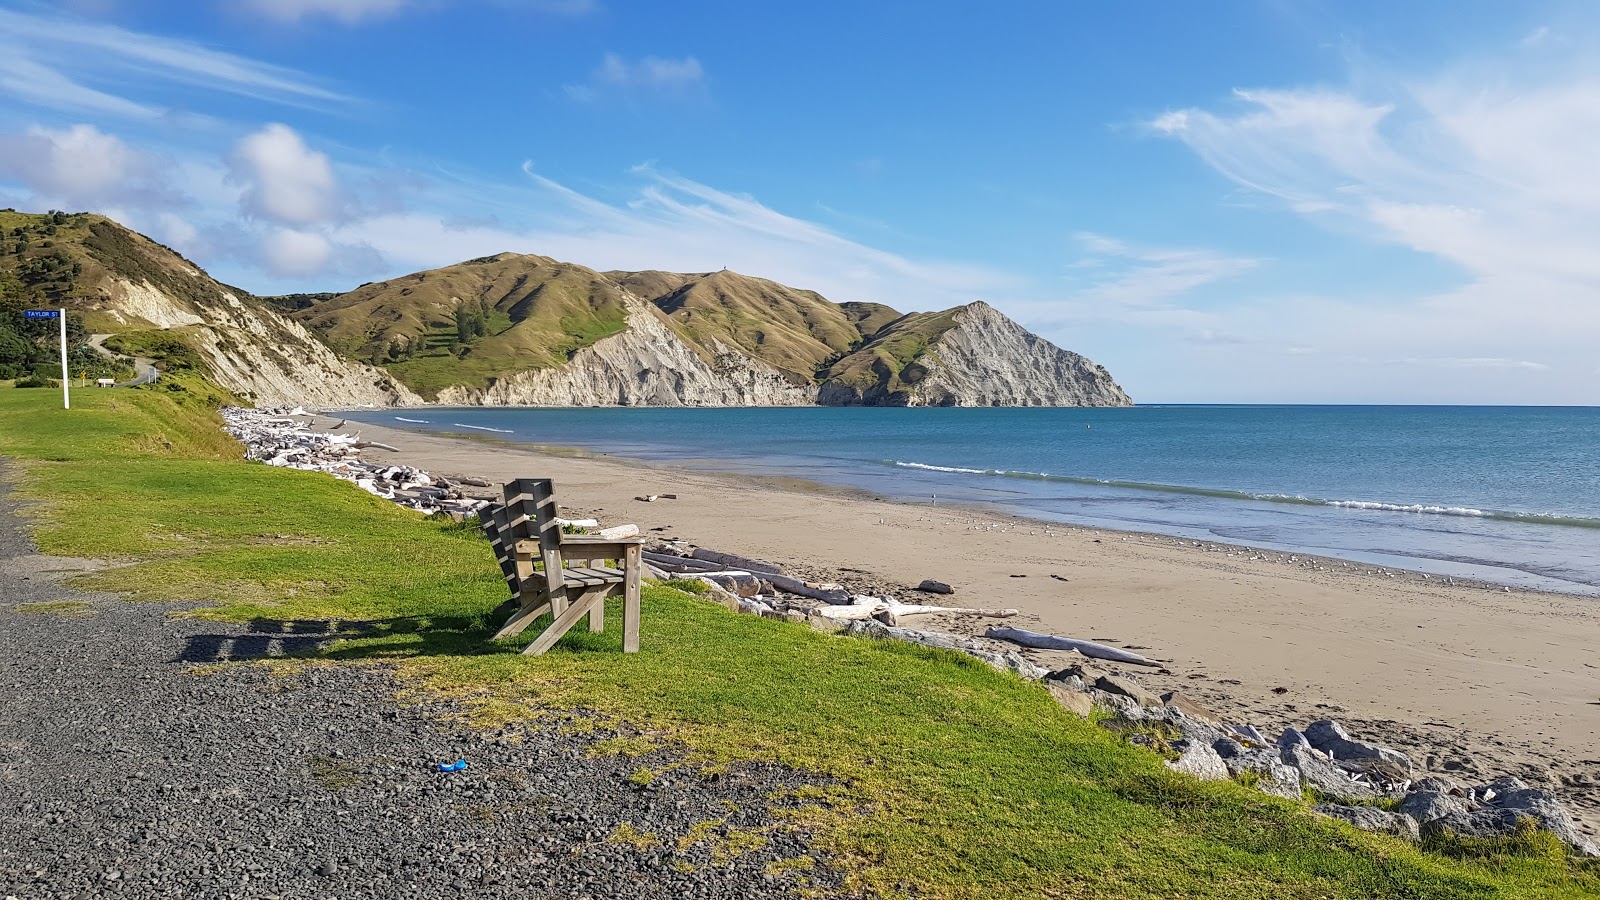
{"x": 105, "y": 382}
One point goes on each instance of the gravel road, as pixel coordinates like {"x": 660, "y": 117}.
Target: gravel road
{"x": 126, "y": 771}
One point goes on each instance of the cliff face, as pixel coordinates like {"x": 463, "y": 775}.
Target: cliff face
{"x": 514, "y": 329}
{"x": 122, "y": 282}
{"x": 969, "y": 356}
{"x": 646, "y": 364}
{"x": 988, "y": 360}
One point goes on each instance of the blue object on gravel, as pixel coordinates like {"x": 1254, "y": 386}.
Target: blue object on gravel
{"x": 456, "y": 766}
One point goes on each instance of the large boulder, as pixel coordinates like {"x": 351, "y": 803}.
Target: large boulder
{"x": 1292, "y": 738}
{"x": 1440, "y": 783}
{"x": 1425, "y": 806}
{"x": 1198, "y": 759}
{"x": 1263, "y": 768}
{"x": 1189, "y": 708}
{"x": 1478, "y": 823}
{"x": 1325, "y": 778}
{"x": 1331, "y": 738}
{"x": 1370, "y": 818}
{"x": 1075, "y": 701}
{"x": 1542, "y": 807}
{"x": 1127, "y": 687}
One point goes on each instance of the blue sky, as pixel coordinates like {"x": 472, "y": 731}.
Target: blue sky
{"x": 1251, "y": 201}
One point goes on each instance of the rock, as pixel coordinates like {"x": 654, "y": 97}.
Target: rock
{"x": 1331, "y": 738}
{"x": 1488, "y": 822}
{"x": 1440, "y": 783}
{"x": 1544, "y": 808}
{"x": 1228, "y": 748}
{"x": 1292, "y": 738}
{"x": 1249, "y": 733}
{"x": 1425, "y": 806}
{"x": 1325, "y": 778}
{"x": 1117, "y": 703}
{"x": 1086, "y": 673}
{"x": 1369, "y": 818}
{"x": 1190, "y": 708}
{"x": 1198, "y": 759}
{"x": 825, "y": 624}
{"x": 1270, "y": 774}
{"x": 929, "y": 586}
{"x": 1070, "y": 682}
{"x": 1075, "y": 701}
{"x": 1127, "y": 687}
{"x": 1505, "y": 784}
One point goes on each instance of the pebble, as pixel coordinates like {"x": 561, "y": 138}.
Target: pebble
{"x": 141, "y": 778}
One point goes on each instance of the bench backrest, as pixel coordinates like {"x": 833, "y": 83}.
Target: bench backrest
{"x": 493, "y": 519}
{"x": 530, "y": 511}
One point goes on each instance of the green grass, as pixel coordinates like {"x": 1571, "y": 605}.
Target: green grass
{"x": 950, "y": 780}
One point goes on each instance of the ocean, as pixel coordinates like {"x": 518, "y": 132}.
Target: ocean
{"x": 1503, "y": 494}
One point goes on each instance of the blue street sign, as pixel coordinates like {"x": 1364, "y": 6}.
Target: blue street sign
{"x": 41, "y": 314}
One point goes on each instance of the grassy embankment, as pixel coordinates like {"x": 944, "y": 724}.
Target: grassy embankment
{"x": 953, "y": 780}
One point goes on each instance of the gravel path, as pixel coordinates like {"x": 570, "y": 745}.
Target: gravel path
{"x": 125, "y": 772}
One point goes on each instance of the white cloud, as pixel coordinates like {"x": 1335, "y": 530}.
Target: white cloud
{"x": 1474, "y": 362}
{"x": 295, "y": 254}
{"x": 285, "y": 180}
{"x": 1150, "y": 278}
{"x": 674, "y": 223}
{"x": 355, "y": 12}
{"x": 79, "y": 167}
{"x": 1487, "y": 166}
{"x": 349, "y": 12}
{"x": 652, "y": 74}
{"x": 73, "y": 65}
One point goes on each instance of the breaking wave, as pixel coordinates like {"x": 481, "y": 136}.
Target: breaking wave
{"x": 1366, "y": 505}
{"x": 484, "y": 428}
{"x": 415, "y": 421}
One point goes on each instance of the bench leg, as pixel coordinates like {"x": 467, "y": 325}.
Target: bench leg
{"x": 597, "y": 616}
{"x": 520, "y": 620}
{"x": 576, "y": 610}
{"x": 630, "y": 600}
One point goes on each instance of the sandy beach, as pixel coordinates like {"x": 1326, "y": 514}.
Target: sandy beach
{"x": 1472, "y": 680}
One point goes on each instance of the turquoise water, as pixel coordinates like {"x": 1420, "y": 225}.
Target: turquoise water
{"x": 1507, "y": 494}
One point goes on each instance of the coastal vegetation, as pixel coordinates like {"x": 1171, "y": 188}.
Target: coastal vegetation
{"x": 947, "y": 779}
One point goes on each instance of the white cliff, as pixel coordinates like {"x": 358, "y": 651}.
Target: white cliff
{"x": 646, "y": 364}
{"x": 989, "y": 360}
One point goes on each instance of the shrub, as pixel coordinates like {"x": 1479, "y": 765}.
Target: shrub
{"x": 37, "y": 381}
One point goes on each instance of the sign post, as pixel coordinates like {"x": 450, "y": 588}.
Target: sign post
{"x": 66, "y": 380}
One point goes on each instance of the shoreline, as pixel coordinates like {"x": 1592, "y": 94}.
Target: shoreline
{"x": 1470, "y": 678}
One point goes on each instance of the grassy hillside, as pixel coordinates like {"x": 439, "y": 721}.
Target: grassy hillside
{"x": 891, "y": 362}
{"x": 793, "y": 330}
{"x": 531, "y": 312}
{"x": 467, "y": 323}
{"x": 45, "y": 264}
{"x": 951, "y": 780}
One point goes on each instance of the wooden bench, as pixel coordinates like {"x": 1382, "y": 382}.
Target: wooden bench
{"x": 566, "y": 575}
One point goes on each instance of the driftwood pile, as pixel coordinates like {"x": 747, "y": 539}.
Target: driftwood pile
{"x": 279, "y": 437}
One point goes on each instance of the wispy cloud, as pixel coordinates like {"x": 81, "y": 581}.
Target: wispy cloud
{"x": 1471, "y": 362}
{"x": 349, "y": 12}
{"x": 76, "y": 66}
{"x": 1149, "y": 278}
{"x": 357, "y": 12}
{"x": 651, "y": 75}
{"x": 667, "y": 221}
{"x": 1485, "y": 164}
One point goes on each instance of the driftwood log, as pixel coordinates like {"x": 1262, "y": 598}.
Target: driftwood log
{"x": 892, "y": 609}
{"x": 1051, "y": 642}
{"x": 733, "y": 561}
